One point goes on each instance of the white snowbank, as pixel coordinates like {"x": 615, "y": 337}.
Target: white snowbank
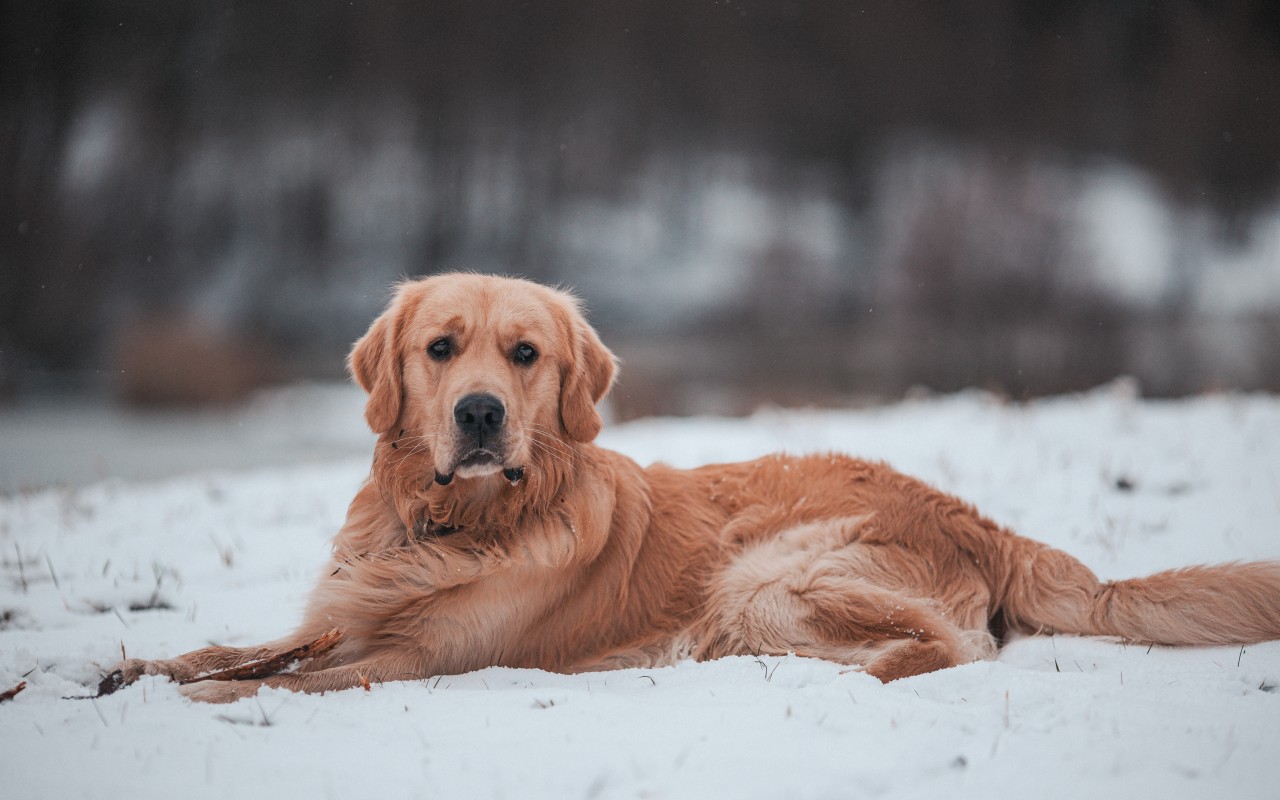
{"x": 233, "y": 554}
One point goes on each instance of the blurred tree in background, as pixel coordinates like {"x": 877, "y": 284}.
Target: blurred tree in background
{"x": 795, "y": 202}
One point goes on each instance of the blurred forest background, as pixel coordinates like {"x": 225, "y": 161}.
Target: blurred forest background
{"x": 761, "y": 201}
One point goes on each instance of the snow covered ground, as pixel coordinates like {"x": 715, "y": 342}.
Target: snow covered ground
{"x": 164, "y": 566}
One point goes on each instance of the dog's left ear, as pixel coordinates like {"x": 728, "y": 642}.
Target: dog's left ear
{"x": 375, "y": 364}
{"x": 585, "y": 381}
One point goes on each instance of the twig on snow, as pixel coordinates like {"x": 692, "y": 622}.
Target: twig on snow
{"x": 52, "y": 572}
{"x": 22, "y": 575}
{"x": 9, "y": 694}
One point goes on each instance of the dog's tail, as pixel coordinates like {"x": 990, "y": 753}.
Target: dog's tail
{"x": 1040, "y": 589}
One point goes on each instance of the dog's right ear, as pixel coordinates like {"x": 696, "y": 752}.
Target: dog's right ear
{"x": 375, "y": 364}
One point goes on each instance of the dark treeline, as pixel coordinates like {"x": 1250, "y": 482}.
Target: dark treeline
{"x": 272, "y": 166}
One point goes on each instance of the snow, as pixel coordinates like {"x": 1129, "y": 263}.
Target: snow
{"x": 232, "y": 553}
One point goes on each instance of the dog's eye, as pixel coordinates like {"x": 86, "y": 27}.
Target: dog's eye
{"x": 525, "y": 354}
{"x": 440, "y": 349}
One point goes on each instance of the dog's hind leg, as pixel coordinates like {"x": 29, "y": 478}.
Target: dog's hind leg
{"x": 813, "y": 603}
{"x": 890, "y": 636}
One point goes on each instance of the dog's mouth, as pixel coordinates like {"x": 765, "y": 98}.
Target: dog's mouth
{"x": 479, "y": 460}
{"x": 477, "y": 463}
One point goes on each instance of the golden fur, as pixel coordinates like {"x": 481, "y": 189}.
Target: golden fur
{"x": 546, "y": 551}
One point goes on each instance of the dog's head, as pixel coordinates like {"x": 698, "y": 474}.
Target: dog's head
{"x": 473, "y": 371}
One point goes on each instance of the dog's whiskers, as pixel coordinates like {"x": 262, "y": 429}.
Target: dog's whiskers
{"x": 411, "y": 441}
{"x": 541, "y": 449}
{"x": 418, "y": 444}
{"x": 547, "y": 441}
{"x": 416, "y": 437}
{"x": 407, "y": 455}
{"x": 564, "y": 456}
{"x": 551, "y": 438}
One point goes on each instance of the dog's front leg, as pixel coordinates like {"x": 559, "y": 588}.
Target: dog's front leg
{"x": 371, "y": 670}
{"x": 206, "y": 660}
{"x": 184, "y": 667}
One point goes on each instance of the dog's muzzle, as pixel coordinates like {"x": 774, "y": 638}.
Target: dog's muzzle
{"x": 479, "y": 420}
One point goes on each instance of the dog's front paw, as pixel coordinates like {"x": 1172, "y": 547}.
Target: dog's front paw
{"x": 220, "y": 691}
{"x": 129, "y": 670}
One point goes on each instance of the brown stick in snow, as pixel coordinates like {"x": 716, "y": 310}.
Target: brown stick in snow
{"x": 12, "y": 693}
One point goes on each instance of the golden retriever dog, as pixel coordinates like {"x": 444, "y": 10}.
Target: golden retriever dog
{"x": 491, "y": 531}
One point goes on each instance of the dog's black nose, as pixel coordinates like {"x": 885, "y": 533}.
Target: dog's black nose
{"x": 479, "y": 413}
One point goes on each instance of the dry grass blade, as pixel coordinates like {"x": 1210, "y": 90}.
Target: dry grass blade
{"x": 276, "y": 663}
{"x": 12, "y": 693}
